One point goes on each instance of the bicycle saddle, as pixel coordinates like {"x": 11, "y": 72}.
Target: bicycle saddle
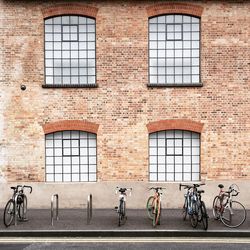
{"x": 200, "y": 191}
{"x": 221, "y": 186}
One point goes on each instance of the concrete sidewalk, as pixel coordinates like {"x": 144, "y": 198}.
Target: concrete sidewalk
{"x": 104, "y": 223}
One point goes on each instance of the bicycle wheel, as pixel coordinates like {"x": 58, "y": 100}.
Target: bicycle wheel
{"x": 22, "y": 208}
{"x": 9, "y": 212}
{"x": 216, "y": 207}
{"x": 150, "y": 207}
{"x": 204, "y": 216}
{"x": 158, "y": 218}
{"x": 121, "y": 214}
{"x": 233, "y": 215}
{"x": 194, "y": 215}
{"x": 155, "y": 215}
{"x": 185, "y": 209}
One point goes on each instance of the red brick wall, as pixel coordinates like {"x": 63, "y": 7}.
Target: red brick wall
{"x": 122, "y": 104}
{"x": 182, "y": 124}
{"x": 70, "y": 125}
{"x": 174, "y": 8}
{"x": 69, "y": 8}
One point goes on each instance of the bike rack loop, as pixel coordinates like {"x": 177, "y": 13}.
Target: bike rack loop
{"x": 52, "y": 208}
{"x": 24, "y": 208}
{"x": 15, "y": 208}
{"x": 89, "y": 209}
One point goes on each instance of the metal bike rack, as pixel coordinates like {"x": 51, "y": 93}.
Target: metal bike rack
{"x": 89, "y": 209}
{"x": 15, "y": 208}
{"x": 24, "y": 208}
{"x": 52, "y": 208}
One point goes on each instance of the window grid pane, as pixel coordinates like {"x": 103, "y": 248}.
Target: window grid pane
{"x": 174, "y": 50}
{"x": 71, "y": 156}
{"x": 181, "y": 161}
{"x": 70, "y": 51}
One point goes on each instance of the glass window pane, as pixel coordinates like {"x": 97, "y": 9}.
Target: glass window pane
{"x": 187, "y": 177}
{"x": 92, "y": 177}
{"x": 61, "y": 52}
{"x": 153, "y": 168}
{"x": 161, "y": 177}
{"x": 49, "y": 177}
{"x": 153, "y": 177}
{"x": 170, "y": 39}
{"x": 170, "y": 176}
{"x": 177, "y": 157}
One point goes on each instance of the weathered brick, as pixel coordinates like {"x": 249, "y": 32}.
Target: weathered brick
{"x": 122, "y": 104}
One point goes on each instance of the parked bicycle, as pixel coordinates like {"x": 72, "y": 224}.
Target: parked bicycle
{"x": 154, "y": 206}
{"x": 121, "y": 209}
{"x": 231, "y": 213}
{"x": 16, "y": 206}
{"x": 194, "y": 206}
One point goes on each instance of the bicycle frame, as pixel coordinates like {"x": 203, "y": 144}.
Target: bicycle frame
{"x": 157, "y": 200}
{"x": 121, "y": 209}
{"x": 228, "y": 203}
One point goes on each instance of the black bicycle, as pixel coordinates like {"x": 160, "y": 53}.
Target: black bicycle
{"x": 16, "y": 205}
{"x": 121, "y": 209}
{"x": 194, "y": 206}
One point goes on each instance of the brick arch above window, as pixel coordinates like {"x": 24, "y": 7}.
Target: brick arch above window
{"x": 181, "y": 124}
{"x": 70, "y": 125}
{"x": 69, "y": 9}
{"x": 174, "y": 8}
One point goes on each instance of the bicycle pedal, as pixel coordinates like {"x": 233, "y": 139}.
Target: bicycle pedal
{"x": 116, "y": 208}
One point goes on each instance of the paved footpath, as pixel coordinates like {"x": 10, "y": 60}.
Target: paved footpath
{"x": 73, "y": 222}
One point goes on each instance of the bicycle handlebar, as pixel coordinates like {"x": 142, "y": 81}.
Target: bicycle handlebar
{"x": 123, "y": 189}
{"x": 22, "y": 188}
{"x": 186, "y": 186}
{"x": 156, "y": 188}
{"x": 230, "y": 189}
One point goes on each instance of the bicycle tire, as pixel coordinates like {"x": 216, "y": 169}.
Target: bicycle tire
{"x": 22, "y": 208}
{"x": 204, "y": 216}
{"x": 20, "y": 211}
{"x": 216, "y": 207}
{"x": 150, "y": 207}
{"x": 158, "y": 218}
{"x": 194, "y": 216}
{"x": 185, "y": 209}
{"x": 121, "y": 214}
{"x": 237, "y": 218}
{"x": 9, "y": 212}
{"x": 155, "y": 215}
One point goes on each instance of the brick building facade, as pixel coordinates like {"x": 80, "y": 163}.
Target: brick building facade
{"x": 124, "y": 93}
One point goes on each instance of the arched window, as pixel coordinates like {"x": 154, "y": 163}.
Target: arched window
{"x": 71, "y": 156}
{"x": 70, "y": 46}
{"x": 174, "y": 50}
{"x": 174, "y": 155}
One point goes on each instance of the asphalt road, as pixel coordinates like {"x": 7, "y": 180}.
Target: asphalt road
{"x": 124, "y": 246}
{"x": 132, "y": 244}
